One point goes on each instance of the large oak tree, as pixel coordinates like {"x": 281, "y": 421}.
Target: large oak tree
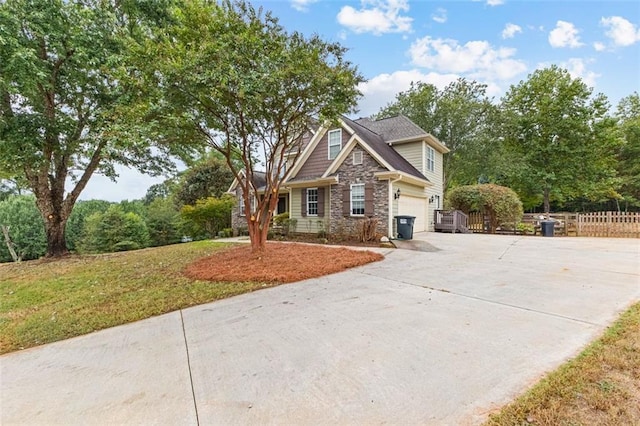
{"x": 62, "y": 102}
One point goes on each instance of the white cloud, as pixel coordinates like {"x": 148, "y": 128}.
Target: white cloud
{"x": 382, "y": 89}
{"x": 377, "y": 17}
{"x": 565, "y": 34}
{"x": 477, "y": 59}
{"x": 511, "y": 30}
{"x": 577, "y": 68}
{"x": 620, "y": 31}
{"x": 598, "y": 46}
{"x": 495, "y": 2}
{"x": 302, "y": 5}
{"x": 440, "y": 15}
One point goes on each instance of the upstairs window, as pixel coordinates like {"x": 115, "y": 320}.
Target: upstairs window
{"x": 312, "y": 202}
{"x": 431, "y": 159}
{"x": 335, "y": 143}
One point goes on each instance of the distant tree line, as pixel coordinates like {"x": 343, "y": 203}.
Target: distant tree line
{"x": 552, "y": 140}
{"x": 191, "y": 205}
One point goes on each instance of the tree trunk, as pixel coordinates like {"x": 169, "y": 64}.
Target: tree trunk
{"x": 56, "y": 242}
{"x": 7, "y": 239}
{"x": 547, "y": 203}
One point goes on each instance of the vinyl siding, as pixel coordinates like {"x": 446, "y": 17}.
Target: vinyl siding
{"x": 309, "y": 224}
{"x": 318, "y": 162}
{"x": 412, "y": 152}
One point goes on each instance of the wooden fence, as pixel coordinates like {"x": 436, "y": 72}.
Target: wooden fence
{"x": 609, "y": 224}
{"x": 597, "y": 224}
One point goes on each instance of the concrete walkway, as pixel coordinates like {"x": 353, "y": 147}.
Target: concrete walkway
{"x": 440, "y": 337}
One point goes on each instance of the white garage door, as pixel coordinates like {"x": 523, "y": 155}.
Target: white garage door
{"x": 414, "y": 206}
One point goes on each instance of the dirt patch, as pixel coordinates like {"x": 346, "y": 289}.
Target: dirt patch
{"x": 280, "y": 263}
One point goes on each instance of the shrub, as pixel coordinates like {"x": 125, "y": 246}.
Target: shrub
{"x": 208, "y": 215}
{"x": 499, "y": 203}
{"x": 24, "y": 227}
{"x": 114, "y": 230}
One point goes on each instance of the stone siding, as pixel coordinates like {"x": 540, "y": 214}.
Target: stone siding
{"x": 350, "y": 173}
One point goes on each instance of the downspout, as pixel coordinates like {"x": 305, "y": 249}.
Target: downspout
{"x": 390, "y": 224}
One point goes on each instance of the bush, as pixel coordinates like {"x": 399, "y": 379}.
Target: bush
{"x": 114, "y": 230}
{"x": 499, "y": 203}
{"x": 25, "y": 228}
{"x": 208, "y": 215}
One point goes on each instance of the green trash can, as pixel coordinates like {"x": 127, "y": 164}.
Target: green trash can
{"x": 546, "y": 227}
{"x": 404, "y": 227}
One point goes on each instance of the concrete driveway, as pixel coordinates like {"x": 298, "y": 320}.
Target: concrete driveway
{"x": 440, "y": 337}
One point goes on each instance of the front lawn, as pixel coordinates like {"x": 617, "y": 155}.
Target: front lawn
{"x": 601, "y": 386}
{"x": 44, "y": 301}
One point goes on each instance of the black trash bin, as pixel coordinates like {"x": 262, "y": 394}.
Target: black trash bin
{"x": 546, "y": 226}
{"x": 404, "y": 227}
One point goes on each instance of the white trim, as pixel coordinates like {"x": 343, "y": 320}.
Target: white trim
{"x": 356, "y": 161}
{"x": 316, "y": 202}
{"x": 427, "y": 157}
{"x": 351, "y": 199}
{"x": 329, "y": 145}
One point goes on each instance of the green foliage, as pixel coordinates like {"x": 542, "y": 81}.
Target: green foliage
{"x": 81, "y": 211}
{"x": 562, "y": 142}
{"x": 628, "y": 115}
{"x": 65, "y": 94}
{"x": 163, "y": 222}
{"x": 281, "y": 218}
{"x": 208, "y": 216}
{"x": 159, "y": 190}
{"x": 114, "y": 230}
{"x": 232, "y": 77}
{"x": 462, "y": 117}
{"x": 209, "y": 178}
{"x": 499, "y": 203}
{"x": 26, "y": 230}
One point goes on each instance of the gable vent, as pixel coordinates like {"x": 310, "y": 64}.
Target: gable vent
{"x": 357, "y": 157}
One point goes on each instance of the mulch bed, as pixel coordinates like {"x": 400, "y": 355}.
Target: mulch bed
{"x": 279, "y": 263}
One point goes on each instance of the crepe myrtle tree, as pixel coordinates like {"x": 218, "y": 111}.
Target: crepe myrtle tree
{"x": 62, "y": 101}
{"x": 231, "y": 76}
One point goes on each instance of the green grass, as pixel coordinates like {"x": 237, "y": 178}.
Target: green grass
{"x": 45, "y": 301}
{"x": 601, "y": 386}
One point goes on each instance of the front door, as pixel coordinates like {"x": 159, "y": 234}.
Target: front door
{"x": 282, "y": 204}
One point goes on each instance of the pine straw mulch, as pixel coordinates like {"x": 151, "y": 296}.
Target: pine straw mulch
{"x": 280, "y": 263}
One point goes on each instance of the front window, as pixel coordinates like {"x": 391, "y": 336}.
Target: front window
{"x": 335, "y": 143}
{"x": 431, "y": 159}
{"x": 252, "y": 205}
{"x": 357, "y": 199}
{"x": 312, "y": 202}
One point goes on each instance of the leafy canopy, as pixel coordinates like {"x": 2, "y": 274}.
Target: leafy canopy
{"x": 232, "y": 77}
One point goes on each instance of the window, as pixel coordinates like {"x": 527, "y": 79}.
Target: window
{"x": 335, "y": 143}
{"x": 252, "y": 202}
{"x": 357, "y": 199}
{"x": 431, "y": 159}
{"x": 312, "y": 202}
{"x": 357, "y": 157}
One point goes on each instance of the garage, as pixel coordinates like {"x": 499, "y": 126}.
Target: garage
{"x": 414, "y": 206}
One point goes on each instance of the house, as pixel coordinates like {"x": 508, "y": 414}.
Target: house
{"x": 360, "y": 169}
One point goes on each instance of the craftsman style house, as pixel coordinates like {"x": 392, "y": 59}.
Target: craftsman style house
{"x": 361, "y": 169}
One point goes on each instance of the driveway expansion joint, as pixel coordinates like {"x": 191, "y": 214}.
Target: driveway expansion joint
{"x": 186, "y": 347}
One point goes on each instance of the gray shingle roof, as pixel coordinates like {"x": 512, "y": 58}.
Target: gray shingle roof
{"x": 379, "y": 144}
{"x": 393, "y": 128}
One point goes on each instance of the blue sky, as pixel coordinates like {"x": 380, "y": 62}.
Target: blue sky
{"x": 495, "y": 42}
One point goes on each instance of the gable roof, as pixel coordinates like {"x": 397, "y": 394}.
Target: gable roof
{"x": 382, "y": 148}
{"x": 401, "y": 129}
{"x": 259, "y": 181}
{"x": 393, "y": 128}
